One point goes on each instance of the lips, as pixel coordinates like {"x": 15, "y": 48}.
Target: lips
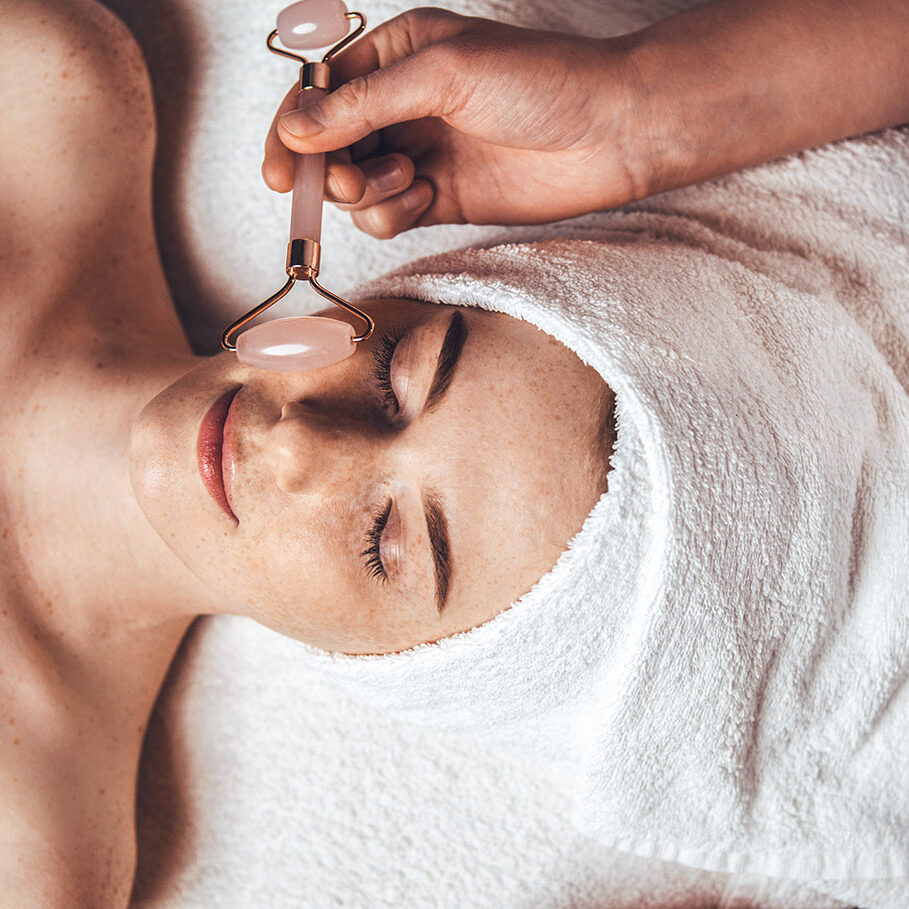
{"x": 213, "y": 451}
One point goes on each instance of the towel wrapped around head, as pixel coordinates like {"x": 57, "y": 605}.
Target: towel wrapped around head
{"x": 720, "y": 658}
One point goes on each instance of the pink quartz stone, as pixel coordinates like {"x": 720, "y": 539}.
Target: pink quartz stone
{"x": 313, "y": 23}
{"x": 295, "y": 344}
{"x": 309, "y": 180}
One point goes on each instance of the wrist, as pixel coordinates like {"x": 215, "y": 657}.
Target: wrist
{"x": 671, "y": 117}
{"x": 635, "y": 122}
{"x": 728, "y": 85}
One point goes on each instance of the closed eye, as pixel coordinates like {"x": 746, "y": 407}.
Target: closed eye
{"x": 382, "y": 356}
{"x": 436, "y": 523}
{"x": 373, "y": 553}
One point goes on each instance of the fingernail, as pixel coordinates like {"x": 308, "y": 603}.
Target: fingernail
{"x": 417, "y": 196}
{"x": 335, "y": 188}
{"x": 304, "y": 122}
{"x": 385, "y": 175}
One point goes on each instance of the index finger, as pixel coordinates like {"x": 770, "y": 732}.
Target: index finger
{"x": 278, "y": 166}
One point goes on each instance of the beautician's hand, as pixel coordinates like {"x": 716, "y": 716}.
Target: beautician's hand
{"x": 500, "y": 125}
{"x": 505, "y": 125}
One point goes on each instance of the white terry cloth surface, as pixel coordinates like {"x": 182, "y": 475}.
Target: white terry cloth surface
{"x": 721, "y": 658}
{"x": 266, "y": 784}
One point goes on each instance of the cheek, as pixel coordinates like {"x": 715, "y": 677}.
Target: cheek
{"x": 312, "y": 585}
{"x": 294, "y": 571}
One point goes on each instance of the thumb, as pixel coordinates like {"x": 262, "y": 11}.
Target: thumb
{"x": 421, "y": 85}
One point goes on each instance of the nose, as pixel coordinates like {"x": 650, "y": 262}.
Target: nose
{"x": 311, "y": 450}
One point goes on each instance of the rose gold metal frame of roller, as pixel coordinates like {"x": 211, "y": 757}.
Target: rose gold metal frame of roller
{"x": 303, "y": 255}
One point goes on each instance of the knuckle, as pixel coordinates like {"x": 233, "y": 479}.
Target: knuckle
{"x": 444, "y": 58}
{"x": 443, "y": 67}
{"x": 353, "y": 99}
{"x": 348, "y": 94}
{"x": 426, "y": 19}
{"x": 414, "y": 29}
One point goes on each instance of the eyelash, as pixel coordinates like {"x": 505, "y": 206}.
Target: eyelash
{"x": 382, "y": 356}
{"x": 374, "y": 566}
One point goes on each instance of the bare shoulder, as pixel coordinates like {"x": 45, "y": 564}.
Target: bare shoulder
{"x": 77, "y": 115}
{"x": 55, "y": 55}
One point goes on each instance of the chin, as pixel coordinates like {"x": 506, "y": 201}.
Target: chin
{"x": 164, "y": 472}
{"x": 156, "y": 462}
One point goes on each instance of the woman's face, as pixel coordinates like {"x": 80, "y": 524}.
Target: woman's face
{"x": 407, "y": 493}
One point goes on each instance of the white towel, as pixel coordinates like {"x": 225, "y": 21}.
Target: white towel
{"x": 721, "y": 657}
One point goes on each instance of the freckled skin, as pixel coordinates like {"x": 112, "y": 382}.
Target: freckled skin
{"x": 82, "y": 651}
{"x": 109, "y": 543}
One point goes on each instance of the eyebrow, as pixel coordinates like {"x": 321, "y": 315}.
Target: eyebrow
{"x": 448, "y": 359}
{"x": 436, "y": 523}
{"x": 437, "y": 527}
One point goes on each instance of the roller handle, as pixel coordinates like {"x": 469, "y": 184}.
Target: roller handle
{"x": 309, "y": 183}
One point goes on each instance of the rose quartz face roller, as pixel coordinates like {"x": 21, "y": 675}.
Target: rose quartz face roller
{"x": 304, "y": 342}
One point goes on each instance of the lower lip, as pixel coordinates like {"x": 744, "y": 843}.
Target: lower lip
{"x": 210, "y": 449}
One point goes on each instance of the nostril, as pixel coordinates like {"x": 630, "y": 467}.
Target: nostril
{"x": 291, "y": 410}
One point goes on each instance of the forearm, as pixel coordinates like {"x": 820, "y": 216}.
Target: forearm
{"x": 737, "y": 82}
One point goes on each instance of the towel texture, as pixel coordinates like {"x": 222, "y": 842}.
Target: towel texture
{"x": 721, "y": 656}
